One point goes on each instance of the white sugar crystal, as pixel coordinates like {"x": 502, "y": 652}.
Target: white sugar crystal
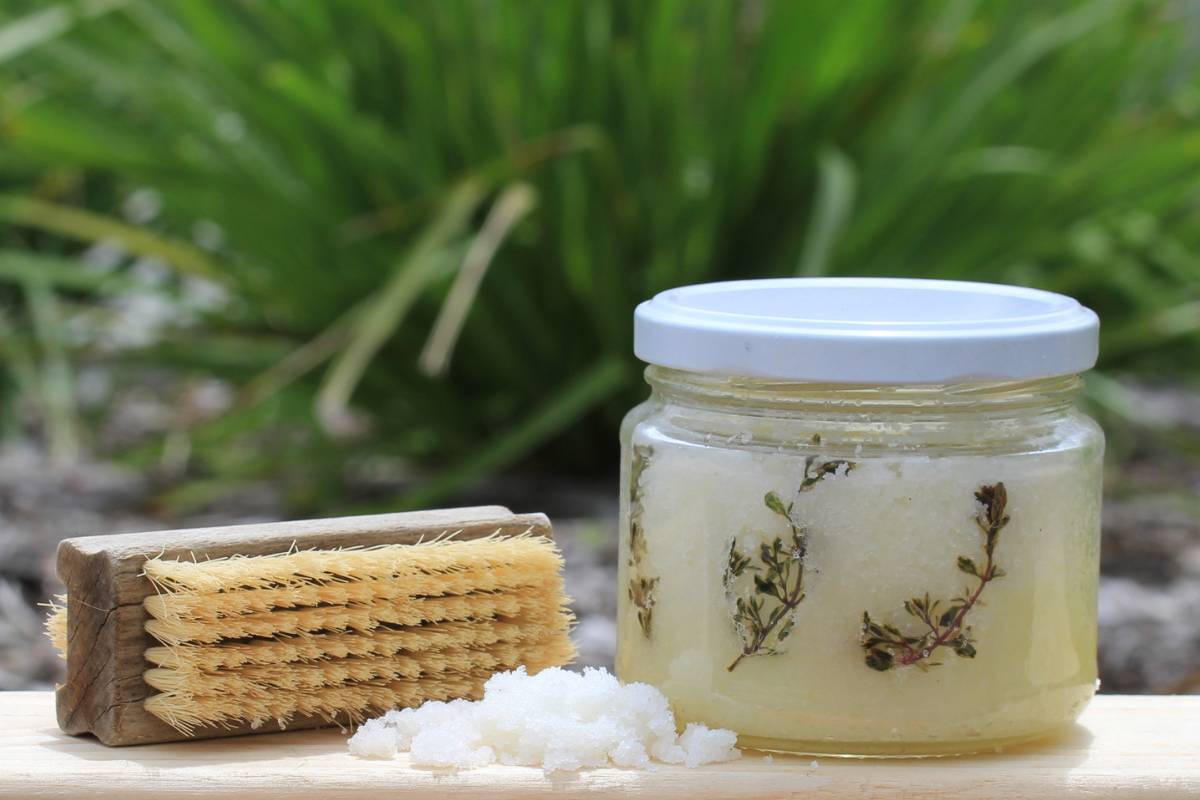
{"x": 557, "y": 719}
{"x": 374, "y": 740}
{"x": 702, "y": 746}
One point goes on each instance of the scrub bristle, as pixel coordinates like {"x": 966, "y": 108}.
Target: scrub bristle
{"x": 56, "y": 624}
{"x": 342, "y": 634}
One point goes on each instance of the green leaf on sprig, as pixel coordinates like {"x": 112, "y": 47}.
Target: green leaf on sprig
{"x": 775, "y": 503}
{"x": 949, "y": 616}
{"x": 963, "y": 647}
{"x": 641, "y": 594}
{"x": 879, "y": 659}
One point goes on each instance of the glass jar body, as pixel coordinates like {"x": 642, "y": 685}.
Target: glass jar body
{"x": 857, "y": 571}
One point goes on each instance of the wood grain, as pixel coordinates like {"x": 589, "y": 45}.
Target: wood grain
{"x": 1126, "y": 747}
{"x": 104, "y": 690}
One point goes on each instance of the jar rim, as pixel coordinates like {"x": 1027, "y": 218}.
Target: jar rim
{"x": 881, "y": 331}
{"x": 935, "y": 401}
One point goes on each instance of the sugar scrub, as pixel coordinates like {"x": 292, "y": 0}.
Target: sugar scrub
{"x": 556, "y": 719}
{"x": 862, "y": 517}
{"x": 876, "y": 536}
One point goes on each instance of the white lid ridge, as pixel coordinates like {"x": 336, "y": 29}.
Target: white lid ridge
{"x": 867, "y": 331}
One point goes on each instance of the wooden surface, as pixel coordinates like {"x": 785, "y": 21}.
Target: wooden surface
{"x": 104, "y": 689}
{"x": 1128, "y": 747}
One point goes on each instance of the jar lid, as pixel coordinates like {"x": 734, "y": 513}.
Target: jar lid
{"x": 867, "y": 330}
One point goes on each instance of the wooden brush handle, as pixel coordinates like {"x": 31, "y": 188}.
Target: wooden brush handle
{"x": 105, "y": 588}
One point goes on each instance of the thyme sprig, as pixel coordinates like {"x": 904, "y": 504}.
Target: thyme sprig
{"x": 886, "y": 646}
{"x": 764, "y": 618}
{"x": 815, "y": 471}
{"x": 641, "y": 586}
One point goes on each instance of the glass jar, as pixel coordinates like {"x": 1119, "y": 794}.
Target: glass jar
{"x": 833, "y": 563}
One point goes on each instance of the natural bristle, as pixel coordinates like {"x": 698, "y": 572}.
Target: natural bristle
{"x": 387, "y": 562}
{"x": 199, "y": 606}
{"x": 340, "y": 634}
{"x": 56, "y": 624}
{"x": 337, "y": 704}
{"x": 362, "y": 617}
{"x": 382, "y": 642}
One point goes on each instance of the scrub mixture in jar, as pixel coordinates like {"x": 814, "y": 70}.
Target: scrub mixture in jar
{"x": 861, "y": 517}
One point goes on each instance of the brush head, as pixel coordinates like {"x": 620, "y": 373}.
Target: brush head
{"x": 266, "y": 631}
{"x": 325, "y": 631}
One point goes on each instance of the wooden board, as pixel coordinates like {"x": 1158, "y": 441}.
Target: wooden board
{"x": 1127, "y": 747}
{"x": 104, "y": 690}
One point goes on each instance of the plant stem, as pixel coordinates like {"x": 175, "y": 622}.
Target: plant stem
{"x": 912, "y": 655}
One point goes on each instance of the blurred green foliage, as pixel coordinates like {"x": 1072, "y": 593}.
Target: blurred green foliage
{"x": 443, "y": 213}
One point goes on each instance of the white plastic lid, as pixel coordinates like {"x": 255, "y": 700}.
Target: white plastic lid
{"x": 867, "y": 330}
